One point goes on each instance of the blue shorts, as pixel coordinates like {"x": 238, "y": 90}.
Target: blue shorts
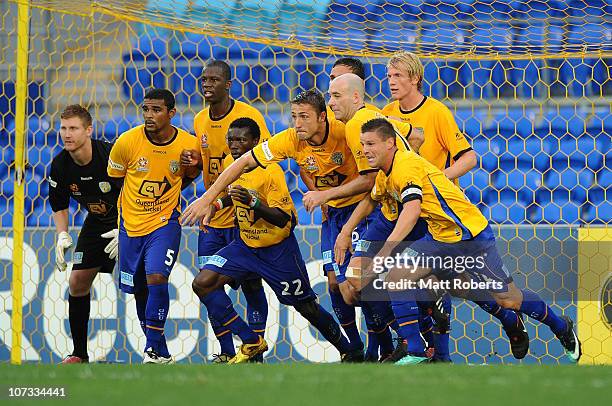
{"x": 280, "y": 265}
{"x": 212, "y": 241}
{"x": 154, "y": 253}
{"x": 485, "y": 264}
{"x": 378, "y": 232}
{"x": 336, "y": 219}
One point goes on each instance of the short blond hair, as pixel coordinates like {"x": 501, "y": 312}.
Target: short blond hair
{"x": 409, "y": 63}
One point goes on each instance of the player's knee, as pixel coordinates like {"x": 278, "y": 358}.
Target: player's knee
{"x": 203, "y": 283}
{"x": 79, "y": 283}
{"x": 156, "y": 279}
{"x": 509, "y": 301}
{"x": 309, "y": 310}
{"x": 251, "y": 285}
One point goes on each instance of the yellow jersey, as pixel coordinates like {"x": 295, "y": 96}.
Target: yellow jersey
{"x": 332, "y": 116}
{"x": 449, "y": 214}
{"x": 269, "y": 186}
{"x": 153, "y": 176}
{"x": 353, "y": 132}
{"x": 444, "y": 142}
{"x": 213, "y": 147}
{"x": 331, "y": 164}
{"x": 388, "y": 205}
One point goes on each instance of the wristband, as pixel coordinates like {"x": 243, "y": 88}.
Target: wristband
{"x": 218, "y": 204}
{"x": 254, "y": 202}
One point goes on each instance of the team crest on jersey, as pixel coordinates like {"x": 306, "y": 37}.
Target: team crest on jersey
{"x": 337, "y": 158}
{"x": 311, "y": 163}
{"x": 204, "y": 141}
{"x": 174, "y": 166}
{"x": 143, "y": 164}
{"x": 105, "y": 187}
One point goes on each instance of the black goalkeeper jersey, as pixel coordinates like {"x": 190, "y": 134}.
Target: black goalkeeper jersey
{"x": 89, "y": 185}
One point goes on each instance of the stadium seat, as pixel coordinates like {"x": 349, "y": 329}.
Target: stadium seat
{"x": 604, "y": 177}
{"x": 539, "y": 10}
{"x": 526, "y": 76}
{"x": 394, "y": 36}
{"x": 376, "y": 82}
{"x": 474, "y": 183}
{"x": 113, "y": 127}
{"x": 470, "y": 121}
{"x": 345, "y": 14}
{"x": 143, "y": 66}
{"x": 39, "y": 131}
{"x": 39, "y": 159}
{"x": 295, "y": 17}
{"x": 577, "y": 74}
{"x": 481, "y": 11}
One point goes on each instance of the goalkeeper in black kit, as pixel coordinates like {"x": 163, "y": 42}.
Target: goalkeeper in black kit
{"x": 79, "y": 171}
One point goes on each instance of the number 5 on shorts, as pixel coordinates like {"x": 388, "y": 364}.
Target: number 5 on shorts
{"x": 169, "y": 257}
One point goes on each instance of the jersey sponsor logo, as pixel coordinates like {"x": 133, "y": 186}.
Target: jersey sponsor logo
{"x": 244, "y": 214}
{"x": 115, "y": 165}
{"x": 154, "y": 189}
{"x": 216, "y": 260}
{"x": 174, "y": 166}
{"x": 105, "y": 187}
{"x": 266, "y": 150}
{"x": 77, "y": 257}
{"x": 97, "y": 207}
{"x": 204, "y": 141}
{"x": 52, "y": 183}
{"x": 87, "y": 178}
{"x": 143, "y": 164}
{"x": 337, "y": 158}
{"x": 159, "y": 151}
{"x": 311, "y": 163}
{"x": 330, "y": 180}
{"x": 215, "y": 165}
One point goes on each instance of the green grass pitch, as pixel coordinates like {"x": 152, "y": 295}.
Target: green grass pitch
{"x": 307, "y": 384}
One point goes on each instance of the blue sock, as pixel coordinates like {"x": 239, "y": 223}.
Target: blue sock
{"x": 327, "y": 326}
{"x": 257, "y": 309}
{"x": 407, "y": 316}
{"x": 220, "y": 308}
{"x": 346, "y": 317}
{"x": 535, "y": 308}
{"x": 506, "y": 317}
{"x": 441, "y": 334}
{"x": 141, "y": 306}
{"x": 156, "y": 313}
{"x": 224, "y": 336}
{"x": 377, "y": 314}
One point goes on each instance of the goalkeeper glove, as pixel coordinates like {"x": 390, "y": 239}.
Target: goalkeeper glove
{"x": 112, "y": 249}
{"x": 64, "y": 241}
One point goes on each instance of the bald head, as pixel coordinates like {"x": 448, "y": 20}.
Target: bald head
{"x": 347, "y": 94}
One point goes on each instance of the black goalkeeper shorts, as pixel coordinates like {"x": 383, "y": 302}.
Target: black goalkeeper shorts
{"x": 89, "y": 252}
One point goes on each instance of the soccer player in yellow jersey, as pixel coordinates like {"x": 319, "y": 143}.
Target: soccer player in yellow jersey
{"x": 265, "y": 247}
{"x": 457, "y": 230}
{"x": 148, "y": 158}
{"x": 211, "y": 126}
{"x": 445, "y": 145}
{"x": 319, "y": 147}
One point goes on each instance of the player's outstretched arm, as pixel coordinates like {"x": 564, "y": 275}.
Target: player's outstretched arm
{"x": 272, "y": 215}
{"x": 200, "y": 210}
{"x": 344, "y": 240}
{"x": 363, "y": 183}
